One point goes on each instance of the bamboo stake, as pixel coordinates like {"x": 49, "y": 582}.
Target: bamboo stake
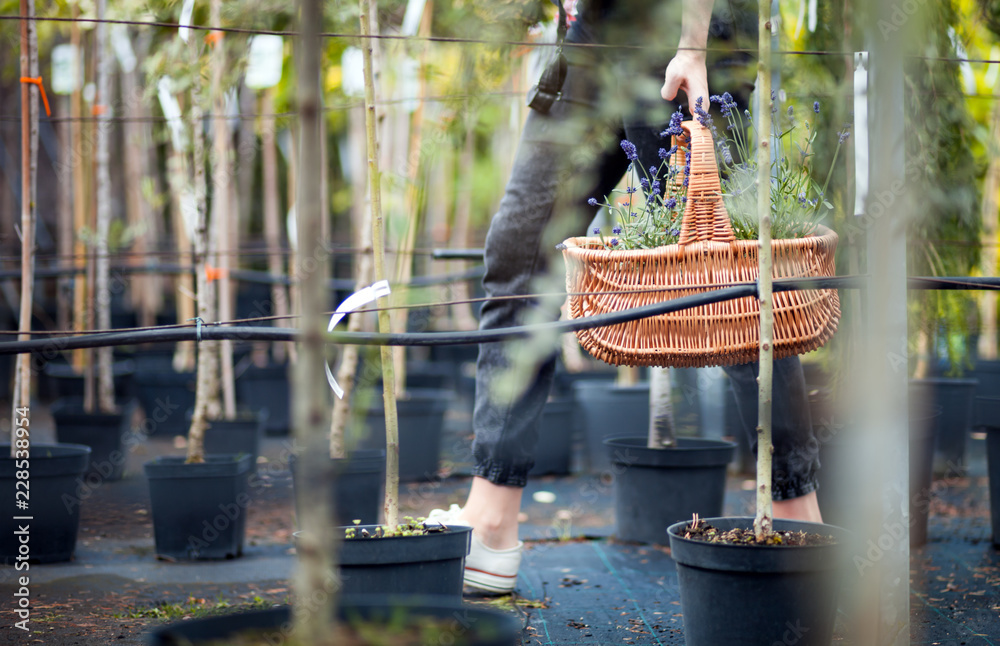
{"x": 102, "y": 302}
{"x": 987, "y": 344}
{"x": 763, "y": 522}
{"x": 272, "y": 215}
{"x": 222, "y": 175}
{"x": 316, "y": 548}
{"x": 64, "y": 208}
{"x": 368, "y": 8}
{"x": 20, "y": 434}
{"x": 80, "y": 357}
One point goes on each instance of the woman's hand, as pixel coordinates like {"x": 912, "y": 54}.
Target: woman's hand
{"x": 687, "y": 72}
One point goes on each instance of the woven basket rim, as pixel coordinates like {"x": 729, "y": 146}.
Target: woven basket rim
{"x": 591, "y": 244}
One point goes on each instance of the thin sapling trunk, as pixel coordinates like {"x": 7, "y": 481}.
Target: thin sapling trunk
{"x": 102, "y": 300}
{"x": 662, "y": 433}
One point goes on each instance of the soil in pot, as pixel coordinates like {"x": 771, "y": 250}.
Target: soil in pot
{"x": 199, "y": 510}
{"x": 748, "y": 595}
{"x": 358, "y": 481}
{"x": 604, "y": 411}
{"x": 107, "y": 434}
{"x": 432, "y": 563}
{"x": 372, "y": 619}
{"x": 55, "y": 475}
{"x": 556, "y": 428}
{"x": 689, "y": 478}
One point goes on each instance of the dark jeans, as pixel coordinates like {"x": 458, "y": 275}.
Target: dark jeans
{"x": 564, "y": 158}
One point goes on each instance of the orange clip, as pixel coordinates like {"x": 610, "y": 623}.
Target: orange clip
{"x": 98, "y": 109}
{"x": 41, "y": 88}
{"x": 214, "y": 36}
{"x": 214, "y": 273}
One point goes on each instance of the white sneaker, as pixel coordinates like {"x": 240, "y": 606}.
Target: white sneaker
{"x": 487, "y": 570}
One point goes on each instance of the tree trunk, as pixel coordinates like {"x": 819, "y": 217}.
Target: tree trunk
{"x": 272, "y": 218}
{"x": 987, "y": 344}
{"x": 763, "y": 522}
{"x": 102, "y": 302}
{"x": 661, "y": 410}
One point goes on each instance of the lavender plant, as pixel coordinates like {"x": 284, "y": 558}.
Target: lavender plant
{"x": 798, "y": 204}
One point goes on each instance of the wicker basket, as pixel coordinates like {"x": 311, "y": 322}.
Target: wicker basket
{"x": 706, "y": 257}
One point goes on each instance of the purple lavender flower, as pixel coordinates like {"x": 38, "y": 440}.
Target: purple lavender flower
{"x": 727, "y": 156}
{"x": 671, "y": 203}
{"x": 614, "y": 242}
{"x": 662, "y": 153}
{"x": 844, "y": 134}
{"x": 791, "y": 111}
{"x": 686, "y": 181}
{"x": 674, "y": 129}
{"x": 617, "y": 229}
{"x": 816, "y": 107}
{"x": 655, "y": 188}
{"x": 704, "y": 118}
{"x": 592, "y": 201}
{"x": 630, "y": 190}
{"x": 802, "y": 198}
{"x": 597, "y": 230}
{"x": 645, "y": 183}
{"x": 629, "y": 149}
{"x": 674, "y": 232}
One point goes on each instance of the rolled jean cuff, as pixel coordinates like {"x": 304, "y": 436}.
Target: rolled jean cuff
{"x": 795, "y": 486}
{"x": 505, "y": 475}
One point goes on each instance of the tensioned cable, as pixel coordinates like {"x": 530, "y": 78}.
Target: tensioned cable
{"x": 217, "y": 331}
{"x": 456, "y": 39}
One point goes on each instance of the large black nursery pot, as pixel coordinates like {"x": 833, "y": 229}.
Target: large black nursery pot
{"x": 556, "y": 428}
{"x": 988, "y": 413}
{"x": 267, "y": 387}
{"x": 955, "y": 397}
{"x": 606, "y": 410}
{"x": 61, "y": 379}
{"x": 741, "y": 595}
{"x": 199, "y": 510}
{"x": 165, "y": 395}
{"x": 428, "y": 564}
{"x": 420, "y": 414}
{"x": 461, "y": 624}
{"x": 105, "y": 433}
{"x": 357, "y": 482}
{"x": 50, "y": 492}
{"x": 689, "y": 478}
{"x": 987, "y": 373}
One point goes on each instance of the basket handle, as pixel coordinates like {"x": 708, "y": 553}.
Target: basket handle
{"x": 705, "y": 217}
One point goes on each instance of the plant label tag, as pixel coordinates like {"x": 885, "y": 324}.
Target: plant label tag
{"x": 264, "y": 61}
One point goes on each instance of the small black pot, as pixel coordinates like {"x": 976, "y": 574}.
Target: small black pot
{"x": 987, "y": 373}
{"x": 431, "y": 564}
{"x": 988, "y": 412}
{"x": 742, "y": 595}
{"x": 687, "y": 479}
{"x": 555, "y": 438}
{"x": 358, "y": 481}
{"x": 63, "y": 380}
{"x": 473, "y": 625}
{"x": 604, "y": 411}
{"x": 104, "y": 433}
{"x": 199, "y": 510}
{"x": 268, "y": 387}
{"x": 421, "y": 420}
{"x": 54, "y": 473}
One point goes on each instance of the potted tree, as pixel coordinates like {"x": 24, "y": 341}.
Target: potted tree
{"x": 36, "y": 479}
{"x": 790, "y": 565}
{"x": 199, "y": 502}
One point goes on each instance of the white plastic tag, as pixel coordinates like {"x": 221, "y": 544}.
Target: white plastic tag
{"x": 65, "y": 78}
{"x": 860, "y": 135}
{"x": 358, "y": 299}
{"x": 186, "y": 11}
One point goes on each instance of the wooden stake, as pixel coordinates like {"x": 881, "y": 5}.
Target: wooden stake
{"x": 272, "y": 216}
{"x": 987, "y": 344}
{"x": 105, "y": 378}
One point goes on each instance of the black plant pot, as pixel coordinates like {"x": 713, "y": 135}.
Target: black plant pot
{"x": 555, "y": 438}
{"x": 358, "y": 481}
{"x": 956, "y": 399}
{"x": 742, "y": 595}
{"x": 199, "y": 510}
{"x": 165, "y": 396}
{"x": 235, "y": 436}
{"x": 687, "y": 479}
{"x": 987, "y": 373}
{"x": 61, "y": 379}
{"x": 988, "y": 412}
{"x": 420, "y": 416}
{"x": 105, "y": 433}
{"x": 268, "y": 387}
{"x": 563, "y": 382}
{"x": 53, "y": 502}
{"x": 431, "y": 564}
{"x": 605, "y": 411}
{"x": 465, "y": 625}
